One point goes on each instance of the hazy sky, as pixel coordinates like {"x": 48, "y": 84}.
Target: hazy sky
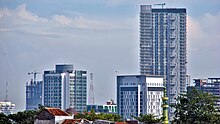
{"x": 100, "y": 36}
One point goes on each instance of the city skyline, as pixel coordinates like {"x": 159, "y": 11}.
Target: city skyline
{"x": 36, "y": 32}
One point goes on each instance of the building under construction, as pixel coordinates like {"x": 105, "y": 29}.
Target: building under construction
{"x": 33, "y": 94}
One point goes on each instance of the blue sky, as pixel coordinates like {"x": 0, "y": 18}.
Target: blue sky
{"x": 100, "y": 36}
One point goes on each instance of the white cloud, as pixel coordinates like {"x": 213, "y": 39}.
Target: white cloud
{"x": 61, "y": 19}
{"x": 203, "y": 45}
{"x": 23, "y": 20}
{"x": 203, "y": 30}
{"x": 22, "y": 13}
{"x": 4, "y": 12}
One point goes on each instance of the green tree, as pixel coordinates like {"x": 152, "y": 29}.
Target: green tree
{"x": 25, "y": 117}
{"x": 79, "y": 116}
{"x": 92, "y": 116}
{"x": 4, "y": 119}
{"x": 148, "y": 119}
{"x": 196, "y": 107}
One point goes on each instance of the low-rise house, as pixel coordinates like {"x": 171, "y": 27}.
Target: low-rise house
{"x": 103, "y": 122}
{"x": 76, "y": 121}
{"x": 51, "y": 116}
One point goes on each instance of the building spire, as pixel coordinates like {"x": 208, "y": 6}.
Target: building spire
{"x": 165, "y": 106}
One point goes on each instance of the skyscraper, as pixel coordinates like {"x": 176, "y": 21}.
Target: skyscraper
{"x": 139, "y": 94}
{"x": 65, "y": 88}
{"x": 163, "y": 46}
{"x": 33, "y": 95}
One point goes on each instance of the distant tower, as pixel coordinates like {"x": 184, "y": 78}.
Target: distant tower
{"x": 91, "y": 90}
{"x": 6, "y": 107}
{"x": 6, "y": 92}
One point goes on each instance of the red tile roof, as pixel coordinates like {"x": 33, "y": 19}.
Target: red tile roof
{"x": 56, "y": 112}
{"x": 73, "y": 121}
{"x": 120, "y": 123}
{"x": 69, "y": 121}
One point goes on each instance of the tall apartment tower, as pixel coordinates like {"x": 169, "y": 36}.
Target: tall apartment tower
{"x": 163, "y": 46}
{"x": 33, "y": 95}
{"x": 65, "y": 88}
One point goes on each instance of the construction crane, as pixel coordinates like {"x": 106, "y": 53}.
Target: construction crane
{"x": 161, "y": 4}
{"x": 35, "y": 75}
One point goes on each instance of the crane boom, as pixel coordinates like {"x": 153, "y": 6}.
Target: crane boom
{"x": 35, "y": 74}
{"x": 161, "y": 4}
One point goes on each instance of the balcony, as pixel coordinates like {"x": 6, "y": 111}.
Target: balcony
{"x": 172, "y": 27}
{"x": 172, "y": 46}
{"x": 172, "y": 37}
{"x": 172, "y": 55}
{"x": 172, "y": 83}
{"x": 172, "y": 74}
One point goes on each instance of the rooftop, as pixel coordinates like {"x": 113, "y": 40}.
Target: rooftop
{"x": 56, "y": 112}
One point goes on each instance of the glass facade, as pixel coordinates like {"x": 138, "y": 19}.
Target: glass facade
{"x": 33, "y": 95}
{"x": 65, "y": 88}
{"x": 80, "y": 87}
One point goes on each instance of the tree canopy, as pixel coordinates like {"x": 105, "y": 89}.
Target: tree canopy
{"x": 148, "y": 119}
{"x": 196, "y": 107}
{"x": 92, "y": 116}
{"x": 24, "y": 117}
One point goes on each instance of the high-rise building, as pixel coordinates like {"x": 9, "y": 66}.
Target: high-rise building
{"x": 139, "y": 94}
{"x": 80, "y": 90}
{"x": 6, "y": 107}
{"x": 65, "y": 88}
{"x": 33, "y": 95}
{"x": 163, "y": 46}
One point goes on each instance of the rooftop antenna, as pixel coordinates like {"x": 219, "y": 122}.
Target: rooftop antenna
{"x": 161, "y": 4}
{"x": 6, "y": 92}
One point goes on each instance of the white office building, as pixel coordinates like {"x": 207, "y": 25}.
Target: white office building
{"x": 65, "y": 88}
{"x": 139, "y": 94}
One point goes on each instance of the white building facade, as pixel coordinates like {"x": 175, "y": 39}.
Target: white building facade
{"x": 154, "y": 95}
{"x": 139, "y": 94}
{"x": 6, "y": 108}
